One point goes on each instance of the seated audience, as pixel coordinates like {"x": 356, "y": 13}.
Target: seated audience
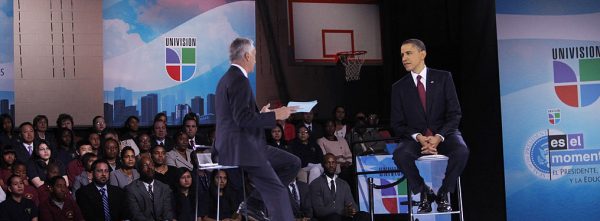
{"x": 75, "y": 167}
{"x": 331, "y": 197}
{"x": 7, "y": 136}
{"x": 330, "y": 143}
{"x": 164, "y": 172}
{"x": 86, "y": 176}
{"x": 315, "y": 130}
{"x": 17, "y": 207}
{"x": 144, "y": 144}
{"x": 6, "y": 165}
{"x": 310, "y": 155}
{"x": 147, "y": 198}
{"x": 184, "y": 197}
{"x": 94, "y": 140}
{"x": 276, "y": 138}
{"x": 359, "y": 140}
{"x": 339, "y": 117}
{"x": 40, "y": 126}
{"x": 127, "y": 173}
{"x": 300, "y": 199}
{"x": 129, "y": 133}
{"x": 110, "y": 151}
{"x": 37, "y": 167}
{"x": 229, "y": 200}
{"x": 288, "y": 130}
{"x": 65, "y": 148}
{"x": 98, "y": 125}
{"x": 44, "y": 190}
{"x": 100, "y": 200}
{"x": 181, "y": 155}
{"x": 190, "y": 124}
{"x": 60, "y": 205}
{"x": 24, "y": 146}
{"x": 20, "y": 169}
{"x": 66, "y": 121}
{"x": 160, "y": 136}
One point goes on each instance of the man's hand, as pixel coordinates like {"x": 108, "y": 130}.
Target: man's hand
{"x": 284, "y": 112}
{"x": 428, "y": 144}
{"x": 350, "y": 210}
{"x": 266, "y": 108}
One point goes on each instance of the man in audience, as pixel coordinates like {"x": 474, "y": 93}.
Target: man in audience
{"x": 164, "y": 172}
{"x": 191, "y": 129}
{"x": 75, "y": 167}
{"x": 160, "y": 137}
{"x": 331, "y": 197}
{"x": 149, "y": 199}
{"x": 94, "y": 140}
{"x": 99, "y": 200}
{"x": 24, "y": 146}
{"x": 300, "y": 199}
{"x": 111, "y": 153}
{"x": 59, "y": 206}
{"x": 315, "y": 130}
{"x": 17, "y": 207}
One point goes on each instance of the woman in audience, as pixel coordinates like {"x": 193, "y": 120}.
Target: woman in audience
{"x": 20, "y": 169}
{"x": 94, "y": 140}
{"x": 126, "y": 174}
{"x": 185, "y": 196}
{"x": 40, "y": 125}
{"x": 180, "y": 156}
{"x": 86, "y": 176}
{"x": 37, "y": 167}
{"x": 144, "y": 144}
{"x": 288, "y": 129}
{"x": 310, "y": 154}
{"x": 228, "y": 198}
{"x": 6, "y": 164}
{"x": 66, "y": 121}
{"x": 98, "y": 125}
{"x": 330, "y": 143}
{"x": 110, "y": 152}
{"x": 130, "y": 129}
{"x": 277, "y": 138}
{"x": 65, "y": 150}
{"x": 341, "y": 128}
{"x": 7, "y": 135}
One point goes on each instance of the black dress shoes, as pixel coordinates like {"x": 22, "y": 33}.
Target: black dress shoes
{"x": 253, "y": 214}
{"x": 427, "y": 196}
{"x": 443, "y": 203}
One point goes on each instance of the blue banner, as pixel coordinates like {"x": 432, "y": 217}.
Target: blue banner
{"x": 168, "y": 55}
{"x": 7, "y": 79}
{"x": 549, "y": 60}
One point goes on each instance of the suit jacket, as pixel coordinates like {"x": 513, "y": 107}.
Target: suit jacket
{"x": 175, "y": 159}
{"x": 316, "y": 131}
{"x": 241, "y": 140}
{"x": 144, "y": 208}
{"x": 304, "y": 209}
{"x": 21, "y": 151}
{"x": 90, "y": 202}
{"x": 443, "y": 109}
{"x": 169, "y": 143}
{"x": 326, "y": 204}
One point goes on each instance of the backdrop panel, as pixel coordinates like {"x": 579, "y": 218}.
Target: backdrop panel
{"x": 549, "y": 60}
{"x": 7, "y": 80}
{"x": 168, "y": 55}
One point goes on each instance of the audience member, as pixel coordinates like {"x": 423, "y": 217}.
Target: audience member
{"x": 195, "y": 139}
{"x": 144, "y": 144}
{"x": 315, "y": 130}
{"x": 7, "y": 135}
{"x": 66, "y": 121}
{"x": 37, "y": 168}
{"x": 310, "y": 155}
{"x": 341, "y": 127}
{"x": 288, "y": 130}
{"x": 185, "y": 197}
{"x": 360, "y": 137}
{"x": 180, "y": 156}
{"x": 229, "y": 200}
{"x": 160, "y": 137}
{"x": 300, "y": 199}
{"x": 86, "y": 176}
{"x": 17, "y": 207}
{"x": 149, "y": 199}
{"x": 65, "y": 148}
{"x": 331, "y": 197}
{"x": 98, "y": 125}
{"x": 127, "y": 173}
{"x": 20, "y": 169}
{"x": 8, "y": 160}
{"x": 60, "y": 206}
{"x": 276, "y": 138}
{"x": 75, "y": 167}
{"x": 164, "y": 172}
{"x": 161, "y": 116}
{"x": 40, "y": 126}
{"x": 331, "y": 143}
{"x": 100, "y": 200}
{"x": 94, "y": 140}
{"x": 129, "y": 133}
{"x": 24, "y": 146}
{"x": 44, "y": 190}
{"x": 110, "y": 151}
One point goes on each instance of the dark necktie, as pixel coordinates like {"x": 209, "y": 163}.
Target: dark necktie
{"x": 332, "y": 183}
{"x": 192, "y": 144}
{"x": 295, "y": 193}
{"x": 309, "y": 128}
{"x": 105, "y": 203}
{"x": 151, "y": 192}
{"x": 423, "y": 98}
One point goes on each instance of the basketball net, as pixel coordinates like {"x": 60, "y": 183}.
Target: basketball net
{"x": 352, "y": 61}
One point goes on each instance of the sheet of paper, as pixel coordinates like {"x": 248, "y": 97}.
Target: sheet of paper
{"x": 303, "y": 106}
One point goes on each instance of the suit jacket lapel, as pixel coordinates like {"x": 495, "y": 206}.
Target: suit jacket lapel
{"x": 432, "y": 88}
{"x": 414, "y": 93}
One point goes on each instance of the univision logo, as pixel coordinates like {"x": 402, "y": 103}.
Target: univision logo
{"x": 180, "y": 58}
{"x": 577, "y": 88}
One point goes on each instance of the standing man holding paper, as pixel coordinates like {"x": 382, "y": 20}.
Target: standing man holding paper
{"x": 425, "y": 114}
{"x": 241, "y": 138}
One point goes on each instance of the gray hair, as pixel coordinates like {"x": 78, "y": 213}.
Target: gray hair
{"x": 416, "y": 42}
{"x": 239, "y": 47}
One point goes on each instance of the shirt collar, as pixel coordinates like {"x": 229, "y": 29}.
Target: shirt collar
{"x": 242, "y": 69}
{"x": 423, "y": 74}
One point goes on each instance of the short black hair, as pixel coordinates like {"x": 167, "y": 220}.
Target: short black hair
{"x": 98, "y": 161}
{"x": 416, "y": 42}
{"x": 52, "y": 181}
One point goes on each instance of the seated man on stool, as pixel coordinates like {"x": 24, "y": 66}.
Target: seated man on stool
{"x": 425, "y": 115}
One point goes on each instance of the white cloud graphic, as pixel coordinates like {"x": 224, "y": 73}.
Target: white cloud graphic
{"x": 116, "y": 39}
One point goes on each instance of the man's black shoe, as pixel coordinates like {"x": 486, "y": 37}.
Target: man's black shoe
{"x": 443, "y": 203}
{"x": 427, "y": 196}
{"x": 253, "y": 214}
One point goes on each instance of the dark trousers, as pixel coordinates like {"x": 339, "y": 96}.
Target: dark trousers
{"x": 270, "y": 182}
{"x": 453, "y": 147}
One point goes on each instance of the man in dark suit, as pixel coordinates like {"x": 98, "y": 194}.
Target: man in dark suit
{"x": 24, "y": 145}
{"x": 315, "y": 130}
{"x": 300, "y": 197}
{"x": 91, "y": 198}
{"x": 241, "y": 138}
{"x": 149, "y": 199}
{"x": 160, "y": 136}
{"x": 331, "y": 197}
{"x": 426, "y": 114}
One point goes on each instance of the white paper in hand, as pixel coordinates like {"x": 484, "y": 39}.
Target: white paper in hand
{"x": 303, "y": 106}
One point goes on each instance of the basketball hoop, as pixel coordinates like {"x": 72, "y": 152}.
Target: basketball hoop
{"x": 352, "y": 61}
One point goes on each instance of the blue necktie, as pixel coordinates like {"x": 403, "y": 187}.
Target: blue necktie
{"x": 105, "y": 204}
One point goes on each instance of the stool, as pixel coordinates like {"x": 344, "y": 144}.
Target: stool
{"x": 433, "y": 159}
